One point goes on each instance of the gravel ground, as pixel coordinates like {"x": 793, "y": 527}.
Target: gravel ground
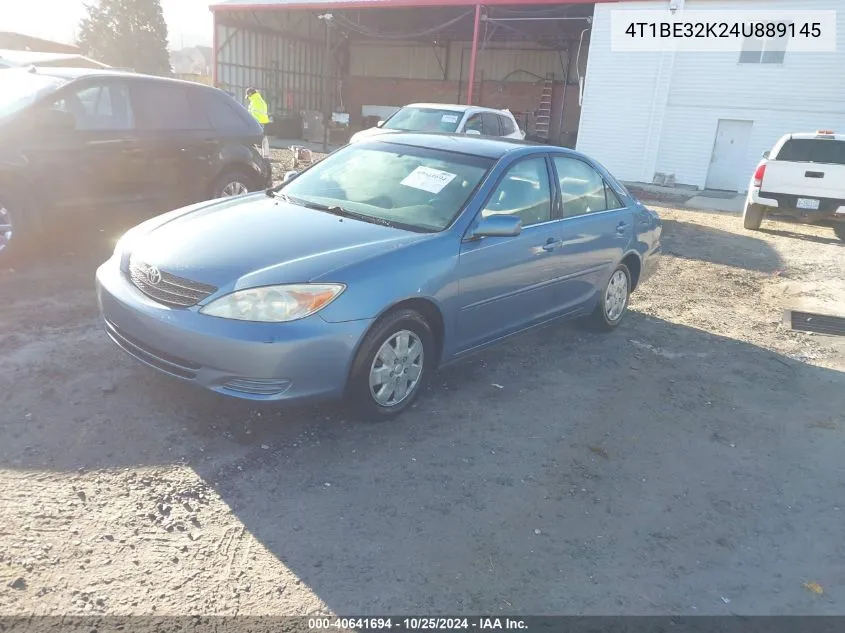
{"x": 690, "y": 462}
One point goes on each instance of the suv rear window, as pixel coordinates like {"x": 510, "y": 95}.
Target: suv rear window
{"x": 813, "y": 150}
{"x": 223, "y": 112}
{"x": 164, "y": 106}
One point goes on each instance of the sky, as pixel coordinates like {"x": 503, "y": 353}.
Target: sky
{"x": 188, "y": 21}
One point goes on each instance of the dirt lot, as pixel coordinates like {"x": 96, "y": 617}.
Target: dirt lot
{"x": 690, "y": 462}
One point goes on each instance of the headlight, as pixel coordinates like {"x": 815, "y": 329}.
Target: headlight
{"x": 274, "y": 304}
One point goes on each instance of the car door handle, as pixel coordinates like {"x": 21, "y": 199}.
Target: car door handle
{"x": 814, "y": 174}
{"x": 620, "y": 228}
{"x": 551, "y": 244}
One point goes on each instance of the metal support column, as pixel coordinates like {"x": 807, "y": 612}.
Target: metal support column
{"x": 474, "y": 55}
{"x": 214, "y": 46}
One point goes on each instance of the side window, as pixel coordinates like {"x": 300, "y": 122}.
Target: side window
{"x": 507, "y": 125}
{"x": 473, "y": 125}
{"x": 582, "y": 188}
{"x": 524, "y": 192}
{"x": 490, "y": 124}
{"x": 167, "y": 107}
{"x": 104, "y": 107}
{"x": 611, "y": 198}
{"x": 222, "y": 114}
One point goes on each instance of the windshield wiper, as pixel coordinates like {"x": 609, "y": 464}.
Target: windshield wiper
{"x": 346, "y": 213}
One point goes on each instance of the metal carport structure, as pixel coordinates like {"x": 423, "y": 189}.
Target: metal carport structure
{"x": 380, "y": 54}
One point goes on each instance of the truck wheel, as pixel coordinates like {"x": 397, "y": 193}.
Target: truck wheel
{"x": 752, "y": 216}
{"x": 839, "y": 229}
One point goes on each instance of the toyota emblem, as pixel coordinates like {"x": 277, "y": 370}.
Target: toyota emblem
{"x": 153, "y": 275}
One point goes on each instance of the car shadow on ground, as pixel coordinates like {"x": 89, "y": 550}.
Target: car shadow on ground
{"x": 817, "y": 239}
{"x": 656, "y": 469}
{"x": 704, "y": 243}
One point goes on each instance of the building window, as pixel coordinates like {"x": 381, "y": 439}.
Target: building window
{"x": 765, "y": 50}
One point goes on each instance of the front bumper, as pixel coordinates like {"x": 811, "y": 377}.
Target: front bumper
{"x": 304, "y": 359}
{"x": 785, "y": 205}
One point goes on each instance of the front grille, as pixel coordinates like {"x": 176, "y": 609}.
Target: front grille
{"x": 167, "y": 288}
{"x": 788, "y": 201}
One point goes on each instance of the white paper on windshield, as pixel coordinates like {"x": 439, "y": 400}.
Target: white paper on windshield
{"x": 449, "y": 118}
{"x": 428, "y": 179}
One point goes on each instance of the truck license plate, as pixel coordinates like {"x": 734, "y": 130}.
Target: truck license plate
{"x": 808, "y": 203}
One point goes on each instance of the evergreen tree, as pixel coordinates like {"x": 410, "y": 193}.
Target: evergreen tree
{"x": 127, "y": 34}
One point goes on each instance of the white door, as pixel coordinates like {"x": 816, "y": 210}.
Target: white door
{"x": 727, "y": 163}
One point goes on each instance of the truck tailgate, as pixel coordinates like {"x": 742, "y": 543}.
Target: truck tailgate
{"x": 809, "y": 180}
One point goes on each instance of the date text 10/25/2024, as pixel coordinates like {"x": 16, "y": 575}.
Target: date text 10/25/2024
{"x": 419, "y": 624}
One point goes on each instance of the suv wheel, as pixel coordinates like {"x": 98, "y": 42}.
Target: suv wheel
{"x": 14, "y": 231}
{"x": 233, "y": 183}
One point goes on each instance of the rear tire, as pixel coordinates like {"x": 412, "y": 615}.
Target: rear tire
{"x": 232, "y": 183}
{"x": 752, "y": 216}
{"x": 613, "y": 302}
{"x": 839, "y": 230}
{"x": 392, "y": 365}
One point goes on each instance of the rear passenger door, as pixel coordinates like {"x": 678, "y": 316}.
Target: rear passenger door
{"x": 596, "y": 228}
{"x": 179, "y": 142}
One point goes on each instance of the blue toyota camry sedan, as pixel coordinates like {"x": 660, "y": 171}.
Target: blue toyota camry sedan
{"x": 361, "y": 275}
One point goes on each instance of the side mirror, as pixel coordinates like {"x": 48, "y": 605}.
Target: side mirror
{"x": 497, "y": 226}
{"x": 53, "y": 119}
{"x": 766, "y": 154}
{"x": 289, "y": 175}
{"x": 380, "y": 124}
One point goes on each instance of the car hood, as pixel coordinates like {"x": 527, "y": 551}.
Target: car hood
{"x": 256, "y": 240}
{"x": 371, "y": 132}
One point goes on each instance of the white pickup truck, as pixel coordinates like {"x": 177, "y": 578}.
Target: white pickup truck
{"x": 801, "y": 179}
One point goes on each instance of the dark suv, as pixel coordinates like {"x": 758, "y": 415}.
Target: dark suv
{"x": 82, "y": 139}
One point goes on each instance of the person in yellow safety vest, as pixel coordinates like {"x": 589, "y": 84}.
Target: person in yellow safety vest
{"x": 258, "y": 108}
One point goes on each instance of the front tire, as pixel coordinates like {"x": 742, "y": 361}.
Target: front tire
{"x": 613, "y": 303}
{"x": 839, "y": 230}
{"x": 392, "y": 364}
{"x": 752, "y": 216}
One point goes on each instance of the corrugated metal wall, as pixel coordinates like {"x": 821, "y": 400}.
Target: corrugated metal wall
{"x": 281, "y": 54}
{"x": 407, "y": 60}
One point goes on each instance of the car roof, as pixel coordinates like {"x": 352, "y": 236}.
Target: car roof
{"x": 456, "y": 107}
{"x": 484, "y": 146}
{"x": 79, "y": 73}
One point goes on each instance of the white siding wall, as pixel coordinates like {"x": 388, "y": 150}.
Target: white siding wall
{"x": 806, "y": 93}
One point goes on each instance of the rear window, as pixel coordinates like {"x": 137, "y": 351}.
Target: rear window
{"x": 813, "y": 150}
{"x": 224, "y": 113}
{"x": 163, "y": 106}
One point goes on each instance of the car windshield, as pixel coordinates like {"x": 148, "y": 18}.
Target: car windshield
{"x": 19, "y": 88}
{"x": 409, "y": 187}
{"x": 424, "y": 120}
{"x": 813, "y": 150}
